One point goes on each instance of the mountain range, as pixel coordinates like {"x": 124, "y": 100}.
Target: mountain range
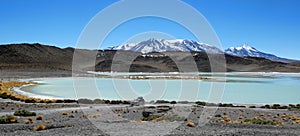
{"x": 37, "y": 60}
{"x": 160, "y": 45}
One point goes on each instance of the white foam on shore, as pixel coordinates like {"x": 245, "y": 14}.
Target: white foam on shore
{"x": 19, "y": 90}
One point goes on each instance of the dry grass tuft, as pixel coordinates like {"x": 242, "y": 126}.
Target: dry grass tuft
{"x": 64, "y": 113}
{"x": 190, "y": 124}
{"x": 28, "y": 121}
{"x": 39, "y": 118}
{"x": 39, "y": 127}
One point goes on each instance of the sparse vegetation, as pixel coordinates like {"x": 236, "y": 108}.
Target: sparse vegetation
{"x": 8, "y": 119}
{"x": 172, "y": 118}
{"x": 28, "y": 121}
{"x": 277, "y": 106}
{"x": 261, "y": 122}
{"x": 151, "y": 117}
{"x": 24, "y": 113}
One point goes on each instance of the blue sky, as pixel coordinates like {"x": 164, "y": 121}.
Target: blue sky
{"x": 269, "y": 25}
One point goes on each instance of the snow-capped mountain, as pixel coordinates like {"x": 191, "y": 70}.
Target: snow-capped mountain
{"x": 246, "y": 50}
{"x": 159, "y": 45}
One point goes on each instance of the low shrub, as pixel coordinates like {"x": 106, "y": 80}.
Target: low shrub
{"x": 225, "y": 105}
{"x": 24, "y": 113}
{"x": 201, "y": 103}
{"x": 70, "y": 101}
{"x": 146, "y": 114}
{"x": 252, "y": 106}
{"x": 116, "y": 102}
{"x": 190, "y": 124}
{"x": 39, "y": 118}
{"x": 151, "y": 117}
{"x": 8, "y": 119}
{"x": 64, "y": 113}
{"x": 172, "y": 118}
{"x": 39, "y": 127}
{"x": 125, "y": 102}
{"x": 275, "y": 106}
{"x": 107, "y": 101}
{"x": 30, "y": 101}
{"x": 218, "y": 116}
{"x": 173, "y": 102}
{"x": 28, "y": 121}
{"x": 4, "y": 95}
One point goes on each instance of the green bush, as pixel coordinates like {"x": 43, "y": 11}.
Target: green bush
{"x": 8, "y": 119}
{"x": 24, "y": 113}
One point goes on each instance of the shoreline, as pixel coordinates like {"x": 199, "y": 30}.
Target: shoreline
{"x": 6, "y": 92}
{"x": 50, "y": 99}
{"x": 266, "y": 106}
{"x": 113, "y": 117}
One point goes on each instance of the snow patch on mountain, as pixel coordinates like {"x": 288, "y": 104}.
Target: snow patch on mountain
{"x": 246, "y": 50}
{"x": 160, "y": 45}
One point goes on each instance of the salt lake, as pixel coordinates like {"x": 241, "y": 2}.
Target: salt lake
{"x": 242, "y": 88}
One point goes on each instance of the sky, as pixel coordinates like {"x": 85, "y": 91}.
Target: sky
{"x": 271, "y": 26}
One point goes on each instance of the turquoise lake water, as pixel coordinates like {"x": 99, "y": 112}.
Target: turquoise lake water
{"x": 243, "y": 88}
